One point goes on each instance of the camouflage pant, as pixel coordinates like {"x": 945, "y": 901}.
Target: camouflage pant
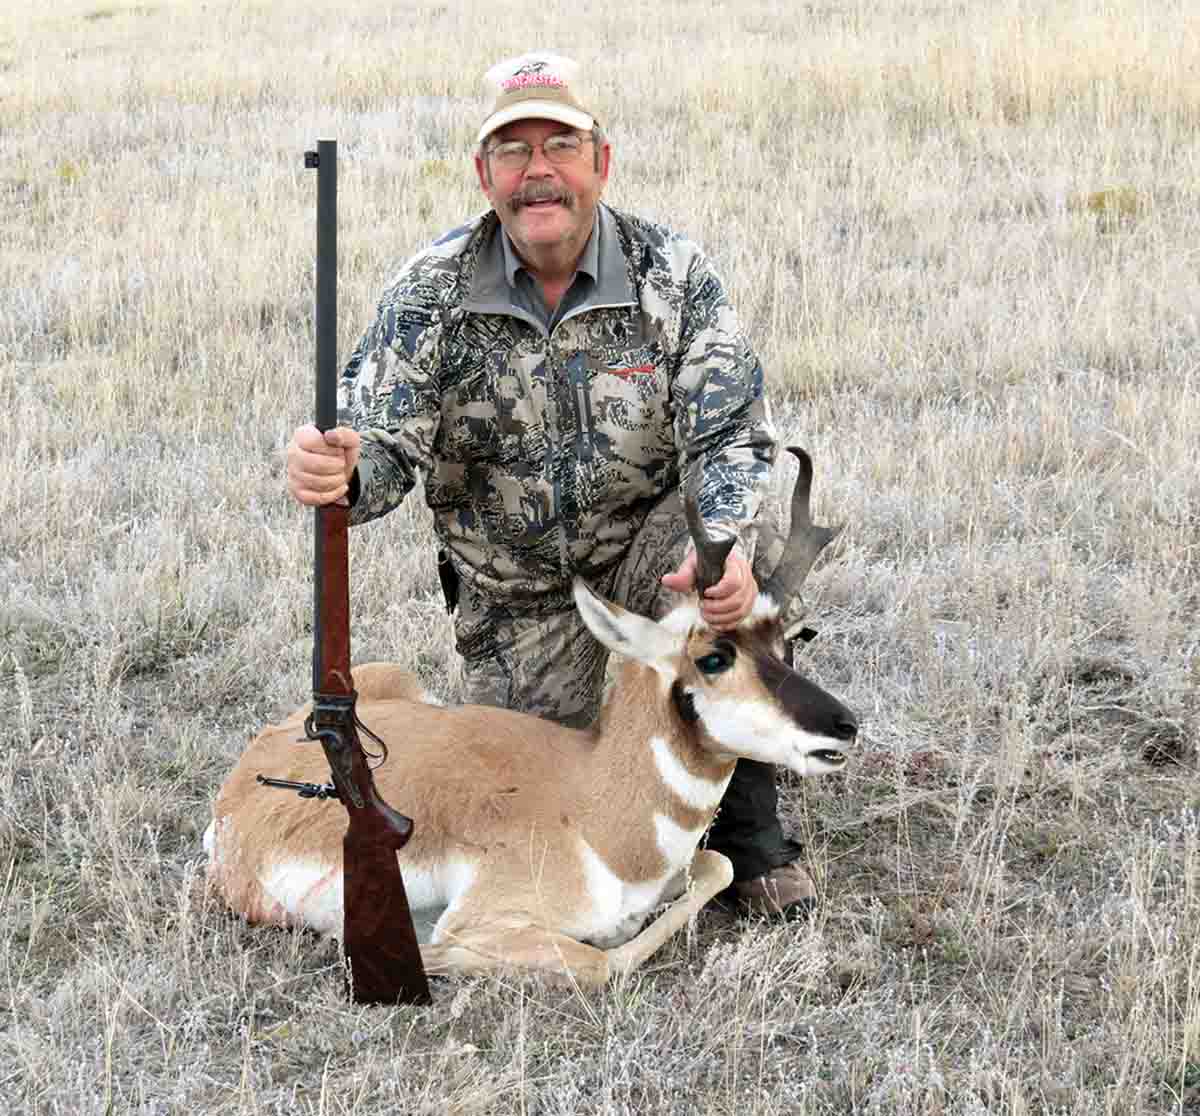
{"x": 543, "y": 660}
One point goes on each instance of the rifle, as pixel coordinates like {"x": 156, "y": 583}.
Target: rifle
{"x": 383, "y": 959}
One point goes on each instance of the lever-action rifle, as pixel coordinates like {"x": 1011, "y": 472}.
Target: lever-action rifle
{"x": 378, "y": 938}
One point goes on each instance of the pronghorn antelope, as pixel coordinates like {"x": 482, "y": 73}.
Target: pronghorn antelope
{"x": 539, "y": 846}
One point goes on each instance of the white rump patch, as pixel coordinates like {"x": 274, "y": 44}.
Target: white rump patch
{"x": 312, "y": 892}
{"x": 692, "y": 790}
{"x": 439, "y": 886}
{"x": 309, "y": 891}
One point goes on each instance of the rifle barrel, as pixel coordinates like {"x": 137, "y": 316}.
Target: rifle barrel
{"x": 331, "y": 589}
{"x": 327, "y": 263}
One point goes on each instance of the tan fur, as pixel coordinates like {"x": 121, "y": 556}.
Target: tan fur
{"x": 387, "y": 681}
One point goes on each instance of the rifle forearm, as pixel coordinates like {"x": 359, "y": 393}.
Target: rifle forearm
{"x": 331, "y": 601}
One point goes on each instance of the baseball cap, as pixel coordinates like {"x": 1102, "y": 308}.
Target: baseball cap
{"x": 540, "y": 85}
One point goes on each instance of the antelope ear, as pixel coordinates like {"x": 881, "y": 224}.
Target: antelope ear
{"x": 624, "y": 632}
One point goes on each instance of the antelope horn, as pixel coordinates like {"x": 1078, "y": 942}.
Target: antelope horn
{"x": 710, "y": 552}
{"x": 805, "y": 539}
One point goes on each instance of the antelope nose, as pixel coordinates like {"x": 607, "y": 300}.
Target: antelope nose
{"x": 845, "y": 726}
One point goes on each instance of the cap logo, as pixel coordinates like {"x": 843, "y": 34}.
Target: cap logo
{"x": 531, "y": 73}
{"x": 523, "y": 81}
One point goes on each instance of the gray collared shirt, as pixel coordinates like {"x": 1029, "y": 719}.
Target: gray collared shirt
{"x": 502, "y": 284}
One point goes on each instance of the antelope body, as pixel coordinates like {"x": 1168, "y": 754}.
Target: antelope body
{"x": 536, "y": 845}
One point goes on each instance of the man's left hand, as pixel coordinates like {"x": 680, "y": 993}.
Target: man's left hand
{"x": 728, "y": 602}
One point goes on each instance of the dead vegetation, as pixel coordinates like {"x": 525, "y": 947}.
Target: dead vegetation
{"x": 962, "y": 236}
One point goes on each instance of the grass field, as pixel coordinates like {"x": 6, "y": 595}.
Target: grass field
{"x": 965, "y": 237}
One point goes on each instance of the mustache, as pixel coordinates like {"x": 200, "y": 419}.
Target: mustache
{"x": 540, "y": 191}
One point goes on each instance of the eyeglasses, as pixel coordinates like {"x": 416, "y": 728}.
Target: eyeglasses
{"x": 514, "y": 155}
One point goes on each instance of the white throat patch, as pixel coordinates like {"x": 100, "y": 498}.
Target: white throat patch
{"x": 692, "y": 790}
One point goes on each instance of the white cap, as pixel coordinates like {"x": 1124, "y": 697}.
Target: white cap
{"x": 538, "y": 85}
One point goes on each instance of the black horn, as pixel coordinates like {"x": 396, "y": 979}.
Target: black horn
{"x": 710, "y": 552}
{"x": 805, "y": 539}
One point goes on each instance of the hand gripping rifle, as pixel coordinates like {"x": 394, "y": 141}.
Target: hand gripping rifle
{"x": 380, "y": 944}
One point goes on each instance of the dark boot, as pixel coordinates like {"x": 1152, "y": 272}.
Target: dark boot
{"x": 787, "y": 892}
{"x": 766, "y": 879}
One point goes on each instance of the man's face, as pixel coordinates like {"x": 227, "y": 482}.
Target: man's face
{"x": 545, "y": 205}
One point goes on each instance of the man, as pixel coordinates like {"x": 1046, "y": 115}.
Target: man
{"x": 548, "y": 370}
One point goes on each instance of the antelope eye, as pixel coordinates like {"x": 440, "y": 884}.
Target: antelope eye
{"x": 718, "y": 659}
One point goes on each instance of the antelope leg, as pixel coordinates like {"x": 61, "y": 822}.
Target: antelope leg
{"x": 465, "y": 948}
{"x": 711, "y": 874}
{"x": 527, "y": 947}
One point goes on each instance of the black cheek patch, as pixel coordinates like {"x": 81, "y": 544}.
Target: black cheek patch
{"x": 684, "y": 703}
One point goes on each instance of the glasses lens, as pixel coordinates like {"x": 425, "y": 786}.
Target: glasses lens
{"x": 562, "y": 149}
{"x": 513, "y": 154}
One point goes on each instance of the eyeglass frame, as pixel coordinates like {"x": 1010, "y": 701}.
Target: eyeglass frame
{"x": 596, "y": 137}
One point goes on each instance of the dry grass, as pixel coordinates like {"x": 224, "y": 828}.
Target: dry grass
{"x": 964, "y": 237}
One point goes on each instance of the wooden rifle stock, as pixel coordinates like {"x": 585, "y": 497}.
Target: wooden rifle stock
{"x": 379, "y": 941}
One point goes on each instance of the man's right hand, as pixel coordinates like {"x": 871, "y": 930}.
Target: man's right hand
{"x": 319, "y": 466}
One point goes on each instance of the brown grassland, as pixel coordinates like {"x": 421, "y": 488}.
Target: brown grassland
{"x": 965, "y": 237}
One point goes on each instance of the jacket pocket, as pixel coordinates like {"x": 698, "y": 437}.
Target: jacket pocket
{"x": 631, "y": 405}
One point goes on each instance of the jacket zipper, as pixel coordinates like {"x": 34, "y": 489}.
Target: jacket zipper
{"x": 583, "y": 402}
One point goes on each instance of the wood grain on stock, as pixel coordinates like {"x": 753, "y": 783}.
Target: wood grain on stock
{"x": 378, "y": 937}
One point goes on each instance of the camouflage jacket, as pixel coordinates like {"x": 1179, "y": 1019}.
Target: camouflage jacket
{"x": 542, "y": 453}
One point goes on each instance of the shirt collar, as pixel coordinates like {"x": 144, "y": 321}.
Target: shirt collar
{"x": 589, "y": 262}
{"x": 493, "y": 283}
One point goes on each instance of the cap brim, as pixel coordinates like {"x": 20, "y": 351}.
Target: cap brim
{"x": 536, "y": 110}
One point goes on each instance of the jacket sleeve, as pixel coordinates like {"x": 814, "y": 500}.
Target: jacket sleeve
{"x": 389, "y": 393}
{"x": 720, "y": 407}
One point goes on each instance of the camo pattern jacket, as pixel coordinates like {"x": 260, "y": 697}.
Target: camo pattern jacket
{"x": 541, "y": 455}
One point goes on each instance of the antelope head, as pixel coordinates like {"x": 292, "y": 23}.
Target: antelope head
{"x": 737, "y": 689}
